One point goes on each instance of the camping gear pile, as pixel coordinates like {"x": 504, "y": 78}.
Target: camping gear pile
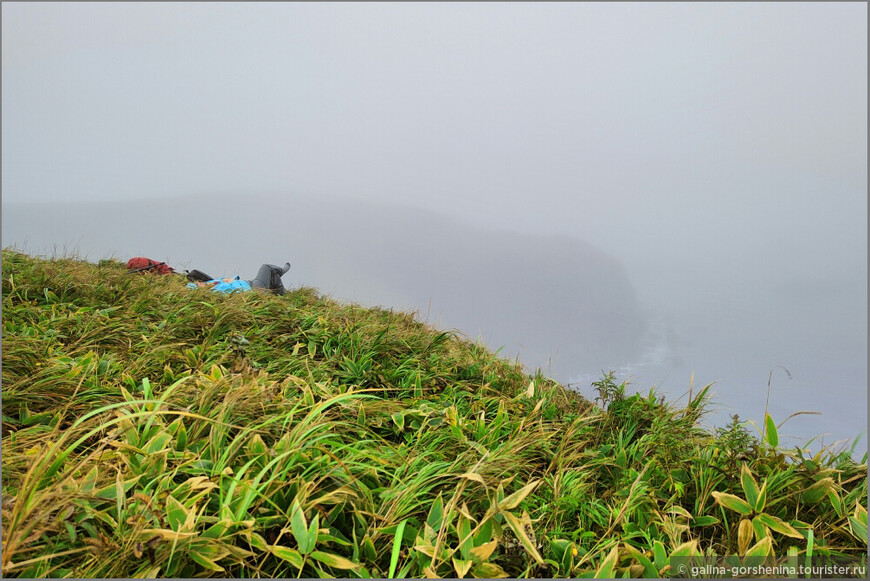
{"x": 268, "y": 278}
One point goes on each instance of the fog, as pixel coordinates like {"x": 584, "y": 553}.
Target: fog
{"x": 677, "y": 192}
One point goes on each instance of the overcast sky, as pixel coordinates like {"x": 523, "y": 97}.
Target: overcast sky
{"x": 717, "y": 150}
{"x": 675, "y": 121}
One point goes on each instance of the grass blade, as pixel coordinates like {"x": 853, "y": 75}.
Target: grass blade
{"x": 397, "y": 547}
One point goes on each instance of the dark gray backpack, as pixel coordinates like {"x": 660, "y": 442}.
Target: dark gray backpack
{"x": 197, "y": 276}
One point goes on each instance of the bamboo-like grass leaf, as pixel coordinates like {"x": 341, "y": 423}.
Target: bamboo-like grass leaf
{"x": 334, "y": 561}
{"x": 217, "y": 530}
{"x": 111, "y": 491}
{"x": 761, "y": 530}
{"x": 397, "y": 547}
{"x": 436, "y": 513}
{"x": 858, "y": 523}
{"x": 465, "y": 512}
{"x": 733, "y": 502}
{"x": 836, "y": 503}
{"x": 649, "y": 570}
{"x": 425, "y": 548}
{"x": 488, "y": 571}
{"x": 858, "y": 528}
{"x": 207, "y": 555}
{"x": 761, "y": 501}
{"x": 228, "y": 496}
{"x": 660, "y": 556}
{"x": 258, "y": 542}
{"x": 463, "y": 530}
{"x": 167, "y": 534}
{"x": 292, "y": 556}
{"x": 744, "y": 535}
{"x": 484, "y": 532}
{"x": 770, "y": 431}
{"x": 403, "y": 574}
{"x": 818, "y": 490}
{"x": 299, "y": 528}
{"x": 176, "y": 513}
{"x": 607, "y": 566}
{"x": 256, "y": 446}
{"x": 461, "y": 567}
{"x": 779, "y": 526}
{"x": 368, "y": 548}
{"x": 157, "y": 443}
{"x": 180, "y": 436}
{"x": 216, "y": 372}
{"x": 512, "y": 501}
{"x": 687, "y": 549}
{"x": 810, "y": 545}
{"x": 750, "y": 487}
{"x": 473, "y": 476}
{"x": 148, "y": 573}
{"x": 762, "y": 548}
{"x": 205, "y": 562}
{"x": 313, "y": 532}
{"x": 481, "y": 553}
{"x": 517, "y": 527}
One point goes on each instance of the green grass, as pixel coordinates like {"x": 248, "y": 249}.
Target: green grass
{"x": 150, "y": 430}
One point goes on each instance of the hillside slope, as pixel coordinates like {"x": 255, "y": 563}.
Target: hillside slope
{"x": 152, "y": 430}
{"x": 555, "y": 301}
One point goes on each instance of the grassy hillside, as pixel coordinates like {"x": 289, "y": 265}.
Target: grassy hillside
{"x": 153, "y": 430}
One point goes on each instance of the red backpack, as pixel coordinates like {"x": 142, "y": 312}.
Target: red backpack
{"x": 142, "y": 264}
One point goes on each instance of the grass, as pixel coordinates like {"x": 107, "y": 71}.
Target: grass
{"x": 150, "y": 430}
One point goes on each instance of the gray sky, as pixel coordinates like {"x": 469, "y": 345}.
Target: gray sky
{"x": 717, "y": 150}
{"x": 669, "y": 121}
